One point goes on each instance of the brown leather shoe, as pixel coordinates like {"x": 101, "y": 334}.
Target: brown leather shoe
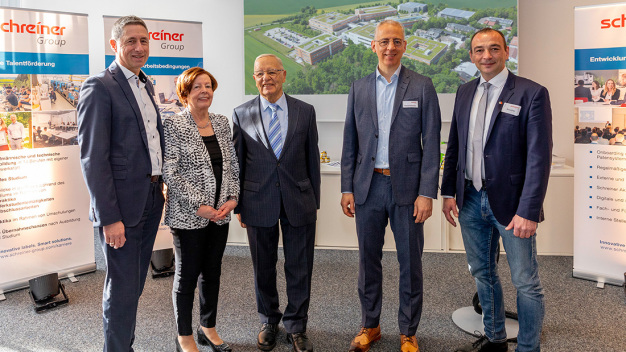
{"x": 363, "y": 340}
{"x": 408, "y": 344}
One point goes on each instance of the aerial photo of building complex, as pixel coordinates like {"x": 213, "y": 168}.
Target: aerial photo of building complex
{"x": 313, "y": 42}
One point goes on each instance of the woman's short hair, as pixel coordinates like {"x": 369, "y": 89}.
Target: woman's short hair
{"x": 185, "y": 80}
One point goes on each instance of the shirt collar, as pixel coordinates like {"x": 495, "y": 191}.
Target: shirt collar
{"x": 281, "y": 102}
{"x": 393, "y": 77}
{"x": 129, "y": 74}
{"x": 498, "y": 81}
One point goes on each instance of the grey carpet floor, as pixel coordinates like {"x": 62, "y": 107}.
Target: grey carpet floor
{"x": 579, "y": 317}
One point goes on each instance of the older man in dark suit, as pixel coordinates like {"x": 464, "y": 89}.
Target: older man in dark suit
{"x": 390, "y": 172}
{"x": 275, "y": 138}
{"x": 121, "y": 142}
{"x": 497, "y": 166}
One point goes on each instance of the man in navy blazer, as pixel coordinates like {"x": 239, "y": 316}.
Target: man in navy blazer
{"x": 121, "y": 142}
{"x": 390, "y": 172}
{"x": 275, "y": 139}
{"x": 497, "y": 167}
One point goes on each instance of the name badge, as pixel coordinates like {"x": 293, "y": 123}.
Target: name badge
{"x": 407, "y": 104}
{"x": 511, "y": 109}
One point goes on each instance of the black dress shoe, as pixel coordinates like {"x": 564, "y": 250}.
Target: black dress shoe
{"x": 484, "y": 345}
{"x": 266, "y": 340}
{"x": 204, "y": 340}
{"x": 300, "y": 342}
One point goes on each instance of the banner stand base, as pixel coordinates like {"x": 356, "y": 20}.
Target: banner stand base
{"x": 72, "y": 278}
{"x": 469, "y": 321}
{"x": 599, "y": 278}
{"x": 6, "y": 287}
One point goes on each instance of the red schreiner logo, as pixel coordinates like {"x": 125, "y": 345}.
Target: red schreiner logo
{"x": 613, "y": 23}
{"x": 38, "y": 28}
{"x": 162, "y": 35}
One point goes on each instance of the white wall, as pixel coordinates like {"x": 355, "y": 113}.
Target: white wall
{"x": 546, "y": 30}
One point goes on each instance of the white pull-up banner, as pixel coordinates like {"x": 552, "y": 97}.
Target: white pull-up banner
{"x": 44, "y": 223}
{"x": 600, "y": 163}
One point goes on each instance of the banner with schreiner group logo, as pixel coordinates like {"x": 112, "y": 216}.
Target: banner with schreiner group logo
{"x": 175, "y": 46}
{"x": 600, "y": 147}
{"x": 44, "y": 224}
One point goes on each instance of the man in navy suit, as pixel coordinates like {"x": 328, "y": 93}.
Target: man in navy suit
{"x": 390, "y": 172}
{"x": 497, "y": 167}
{"x": 275, "y": 138}
{"x": 121, "y": 142}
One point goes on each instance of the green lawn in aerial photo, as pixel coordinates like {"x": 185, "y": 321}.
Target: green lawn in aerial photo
{"x": 434, "y": 48}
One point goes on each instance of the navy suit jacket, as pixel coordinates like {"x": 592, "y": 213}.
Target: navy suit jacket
{"x": 293, "y": 179}
{"x": 114, "y": 152}
{"x": 413, "y": 139}
{"x": 517, "y": 151}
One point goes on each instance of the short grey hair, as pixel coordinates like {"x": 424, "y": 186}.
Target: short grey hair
{"x": 388, "y": 22}
{"x": 118, "y": 27}
{"x": 270, "y": 55}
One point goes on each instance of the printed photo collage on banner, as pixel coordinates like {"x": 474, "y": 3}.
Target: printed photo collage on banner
{"x": 46, "y": 108}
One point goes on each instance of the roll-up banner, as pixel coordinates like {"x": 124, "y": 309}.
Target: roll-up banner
{"x": 600, "y": 148}
{"x": 175, "y": 46}
{"x": 44, "y": 203}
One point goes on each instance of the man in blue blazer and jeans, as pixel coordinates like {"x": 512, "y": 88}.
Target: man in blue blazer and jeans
{"x": 390, "y": 172}
{"x": 497, "y": 167}
{"x": 121, "y": 142}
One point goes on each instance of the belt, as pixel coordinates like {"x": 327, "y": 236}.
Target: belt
{"x": 469, "y": 182}
{"x": 155, "y": 178}
{"x": 385, "y": 172}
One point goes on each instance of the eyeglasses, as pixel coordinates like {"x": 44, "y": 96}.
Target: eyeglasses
{"x": 397, "y": 42}
{"x": 271, "y": 73}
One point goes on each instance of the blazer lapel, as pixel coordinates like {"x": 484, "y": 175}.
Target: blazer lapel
{"x": 507, "y": 93}
{"x": 293, "y": 111}
{"x": 120, "y": 78}
{"x": 403, "y": 83}
{"x": 463, "y": 119}
{"x": 371, "y": 82}
{"x": 254, "y": 111}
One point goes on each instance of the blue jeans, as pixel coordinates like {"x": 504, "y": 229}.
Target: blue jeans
{"x": 481, "y": 232}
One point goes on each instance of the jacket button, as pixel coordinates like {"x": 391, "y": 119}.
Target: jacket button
{"x": 373, "y": 158}
{"x": 278, "y": 164}
{"x": 277, "y": 184}
{"x": 376, "y": 135}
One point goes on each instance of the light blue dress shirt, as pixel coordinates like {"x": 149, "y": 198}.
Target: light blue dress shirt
{"x": 385, "y": 98}
{"x": 282, "y": 112}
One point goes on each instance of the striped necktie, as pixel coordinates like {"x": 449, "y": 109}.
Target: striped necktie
{"x": 276, "y": 138}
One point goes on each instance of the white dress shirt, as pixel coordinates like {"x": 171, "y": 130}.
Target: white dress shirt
{"x": 497, "y": 83}
{"x": 16, "y": 130}
{"x": 149, "y": 116}
{"x": 282, "y": 112}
